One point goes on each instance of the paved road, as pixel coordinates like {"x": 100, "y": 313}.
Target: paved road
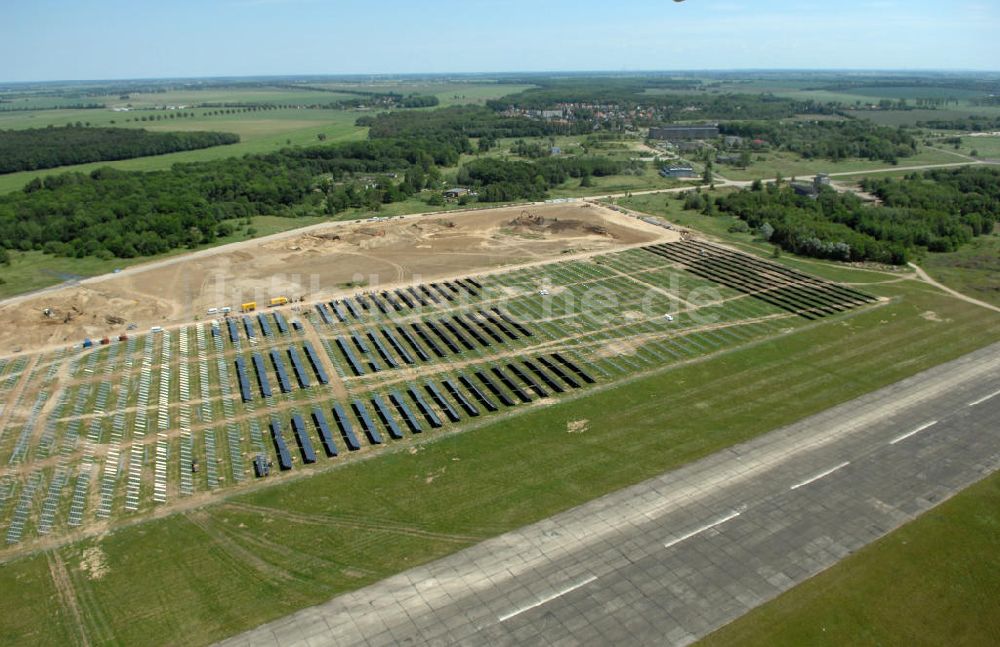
{"x": 671, "y": 559}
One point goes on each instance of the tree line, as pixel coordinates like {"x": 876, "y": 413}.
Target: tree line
{"x": 972, "y": 123}
{"x": 935, "y": 211}
{"x": 41, "y": 148}
{"x": 631, "y": 93}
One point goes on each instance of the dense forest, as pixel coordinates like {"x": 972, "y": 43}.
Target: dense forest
{"x": 832, "y": 140}
{"x": 119, "y": 213}
{"x": 938, "y": 211}
{"x": 41, "y": 148}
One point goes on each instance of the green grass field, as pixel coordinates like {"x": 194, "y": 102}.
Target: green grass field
{"x": 973, "y": 270}
{"x": 935, "y": 581}
{"x": 254, "y": 557}
{"x": 985, "y": 147}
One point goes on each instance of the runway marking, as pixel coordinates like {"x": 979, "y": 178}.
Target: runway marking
{"x": 549, "y": 598}
{"x": 691, "y": 534}
{"x": 982, "y": 400}
{"x": 910, "y": 433}
{"x": 820, "y": 475}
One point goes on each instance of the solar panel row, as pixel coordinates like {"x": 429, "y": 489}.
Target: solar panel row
{"x": 241, "y": 374}
{"x": 444, "y": 405}
{"x": 396, "y": 346}
{"x": 426, "y": 339}
{"x": 279, "y": 320}
{"x": 421, "y": 353}
{"x": 234, "y": 332}
{"x": 573, "y": 367}
{"x": 477, "y": 393}
{"x": 552, "y": 384}
{"x": 300, "y": 371}
{"x": 262, "y": 381}
{"x": 284, "y": 458}
{"x": 345, "y": 348}
{"x": 513, "y": 322}
{"x": 443, "y": 337}
{"x": 317, "y": 365}
{"x": 265, "y": 327}
{"x": 363, "y": 347}
{"x": 386, "y": 417}
{"x": 367, "y": 425}
{"x": 460, "y": 398}
{"x": 428, "y": 413}
{"x": 324, "y": 313}
{"x": 527, "y": 380}
{"x": 305, "y": 444}
{"x": 350, "y": 307}
{"x": 382, "y": 351}
{"x": 319, "y": 420}
{"x": 404, "y": 410}
{"x": 283, "y": 382}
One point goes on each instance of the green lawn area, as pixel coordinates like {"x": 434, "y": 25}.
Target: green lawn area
{"x": 986, "y": 147}
{"x": 935, "y": 581}
{"x": 256, "y": 556}
{"x": 973, "y": 270}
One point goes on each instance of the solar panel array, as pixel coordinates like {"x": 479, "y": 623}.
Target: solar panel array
{"x": 806, "y": 295}
{"x": 438, "y": 361}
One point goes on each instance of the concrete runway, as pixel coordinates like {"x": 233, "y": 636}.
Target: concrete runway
{"x": 675, "y": 557}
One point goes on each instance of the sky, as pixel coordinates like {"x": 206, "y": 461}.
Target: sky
{"x": 115, "y": 39}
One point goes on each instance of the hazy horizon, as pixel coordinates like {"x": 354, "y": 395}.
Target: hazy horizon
{"x": 55, "y": 40}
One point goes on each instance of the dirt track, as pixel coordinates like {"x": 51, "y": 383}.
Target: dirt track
{"x": 316, "y": 262}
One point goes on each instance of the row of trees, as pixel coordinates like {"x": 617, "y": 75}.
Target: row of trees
{"x": 936, "y": 211}
{"x": 972, "y": 123}
{"x": 832, "y": 140}
{"x": 41, "y": 148}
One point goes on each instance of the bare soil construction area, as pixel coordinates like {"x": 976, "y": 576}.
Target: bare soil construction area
{"x": 314, "y": 263}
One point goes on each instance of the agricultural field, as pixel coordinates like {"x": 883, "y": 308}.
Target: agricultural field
{"x": 260, "y": 131}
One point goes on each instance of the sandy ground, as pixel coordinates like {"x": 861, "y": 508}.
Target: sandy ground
{"x": 315, "y": 263}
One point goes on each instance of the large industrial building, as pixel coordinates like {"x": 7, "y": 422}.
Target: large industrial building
{"x": 684, "y": 133}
